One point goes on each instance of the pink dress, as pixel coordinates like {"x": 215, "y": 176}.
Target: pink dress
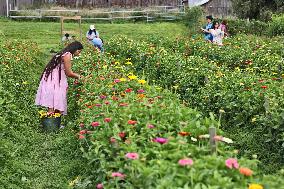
{"x": 52, "y": 93}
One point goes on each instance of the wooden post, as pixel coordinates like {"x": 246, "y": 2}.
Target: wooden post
{"x": 80, "y": 28}
{"x": 213, "y": 143}
{"x": 7, "y": 8}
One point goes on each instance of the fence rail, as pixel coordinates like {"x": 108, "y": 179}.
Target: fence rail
{"x": 167, "y": 13}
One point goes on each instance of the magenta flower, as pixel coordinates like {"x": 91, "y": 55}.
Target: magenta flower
{"x": 232, "y": 163}
{"x": 95, "y": 124}
{"x": 140, "y": 91}
{"x": 118, "y": 174}
{"x": 117, "y": 80}
{"x": 112, "y": 140}
{"x": 107, "y": 119}
{"x": 185, "y": 162}
{"x": 100, "y": 186}
{"x": 151, "y": 126}
{"x": 98, "y": 105}
{"x": 132, "y": 155}
{"x": 102, "y": 97}
{"x": 160, "y": 140}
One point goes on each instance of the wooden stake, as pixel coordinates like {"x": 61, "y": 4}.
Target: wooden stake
{"x": 213, "y": 143}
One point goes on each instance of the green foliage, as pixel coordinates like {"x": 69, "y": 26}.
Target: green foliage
{"x": 28, "y": 157}
{"x": 276, "y": 26}
{"x": 212, "y": 78}
{"x": 192, "y": 18}
{"x": 256, "y": 27}
{"x": 257, "y": 9}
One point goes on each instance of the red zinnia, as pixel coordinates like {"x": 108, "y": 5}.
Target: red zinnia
{"x": 122, "y": 135}
{"x": 95, "y": 124}
{"x": 264, "y": 86}
{"x": 128, "y": 90}
{"x": 107, "y": 119}
{"x": 131, "y": 122}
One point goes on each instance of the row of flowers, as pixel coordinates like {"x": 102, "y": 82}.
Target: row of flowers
{"x": 133, "y": 141}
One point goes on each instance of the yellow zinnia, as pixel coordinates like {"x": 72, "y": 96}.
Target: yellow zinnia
{"x": 255, "y": 186}
{"x": 122, "y": 79}
{"x": 141, "y": 81}
{"x": 128, "y": 63}
{"x": 132, "y": 77}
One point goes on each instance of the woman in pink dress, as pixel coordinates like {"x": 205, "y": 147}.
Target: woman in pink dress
{"x": 52, "y": 90}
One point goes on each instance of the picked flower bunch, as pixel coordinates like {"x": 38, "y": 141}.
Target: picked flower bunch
{"x": 44, "y": 114}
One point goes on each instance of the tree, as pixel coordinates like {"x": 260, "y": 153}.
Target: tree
{"x": 256, "y": 9}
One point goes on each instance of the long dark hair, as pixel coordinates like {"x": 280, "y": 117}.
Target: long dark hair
{"x": 213, "y": 25}
{"x": 91, "y": 31}
{"x": 57, "y": 59}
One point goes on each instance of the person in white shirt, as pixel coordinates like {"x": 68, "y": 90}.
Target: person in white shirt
{"x": 92, "y": 33}
{"x": 217, "y": 33}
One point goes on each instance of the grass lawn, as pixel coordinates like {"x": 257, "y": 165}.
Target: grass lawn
{"x": 47, "y": 34}
{"x": 51, "y": 161}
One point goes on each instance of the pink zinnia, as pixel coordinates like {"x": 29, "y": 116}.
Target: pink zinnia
{"x": 112, "y": 140}
{"x": 95, "y": 124}
{"x": 140, "y": 91}
{"x": 117, "y": 80}
{"x": 132, "y": 155}
{"x": 98, "y": 105}
{"x": 107, "y": 119}
{"x": 151, "y": 126}
{"x": 232, "y": 163}
{"x": 107, "y": 102}
{"x": 102, "y": 97}
{"x": 118, "y": 174}
{"x": 100, "y": 186}
{"x": 81, "y": 136}
{"x": 185, "y": 162}
{"x": 83, "y": 132}
{"x": 160, "y": 140}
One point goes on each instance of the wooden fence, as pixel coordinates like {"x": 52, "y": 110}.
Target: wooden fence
{"x": 163, "y": 13}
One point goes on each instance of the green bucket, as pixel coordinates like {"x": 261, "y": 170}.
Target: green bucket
{"x": 51, "y": 124}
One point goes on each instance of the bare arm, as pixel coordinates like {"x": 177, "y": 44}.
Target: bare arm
{"x": 68, "y": 65}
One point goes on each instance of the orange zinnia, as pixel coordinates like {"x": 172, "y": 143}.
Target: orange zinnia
{"x": 183, "y": 133}
{"x": 245, "y": 171}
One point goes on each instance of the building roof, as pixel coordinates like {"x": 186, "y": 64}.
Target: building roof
{"x": 193, "y": 3}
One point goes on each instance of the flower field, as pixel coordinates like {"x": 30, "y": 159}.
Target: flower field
{"x": 146, "y": 137}
{"x": 140, "y": 117}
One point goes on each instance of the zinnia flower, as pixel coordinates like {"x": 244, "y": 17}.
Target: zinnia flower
{"x": 131, "y": 122}
{"x": 151, "y": 126}
{"x": 107, "y": 119}
{"x": 185, "y": 162}
{"x": 123, "y": 104}
{"x": 264, "y": 86}
{"x": 128, "y": 90}
{"x": 122, "y": 135}
{"x": 160, "y": 140}
{"x": 232, "y": 163}
{"x": 132, "y": 155}
{"x": 83, "y": 132}
{"x": 95, "y": 124}
{"x": 245, "y": 171}
{"x": 81, "y": 136}
{"x": 140, "y": 91}
{"x": 118, "y": 174}
{"x": 255, "y": 186}
{"x": 102, "y": 97}
{"x": 183, "y": 133}
{"x": 100, "y": 186}
{"x": 141, "y": 81}
{"x": 131, "y": 77}
{"x": 117, "y": 80}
